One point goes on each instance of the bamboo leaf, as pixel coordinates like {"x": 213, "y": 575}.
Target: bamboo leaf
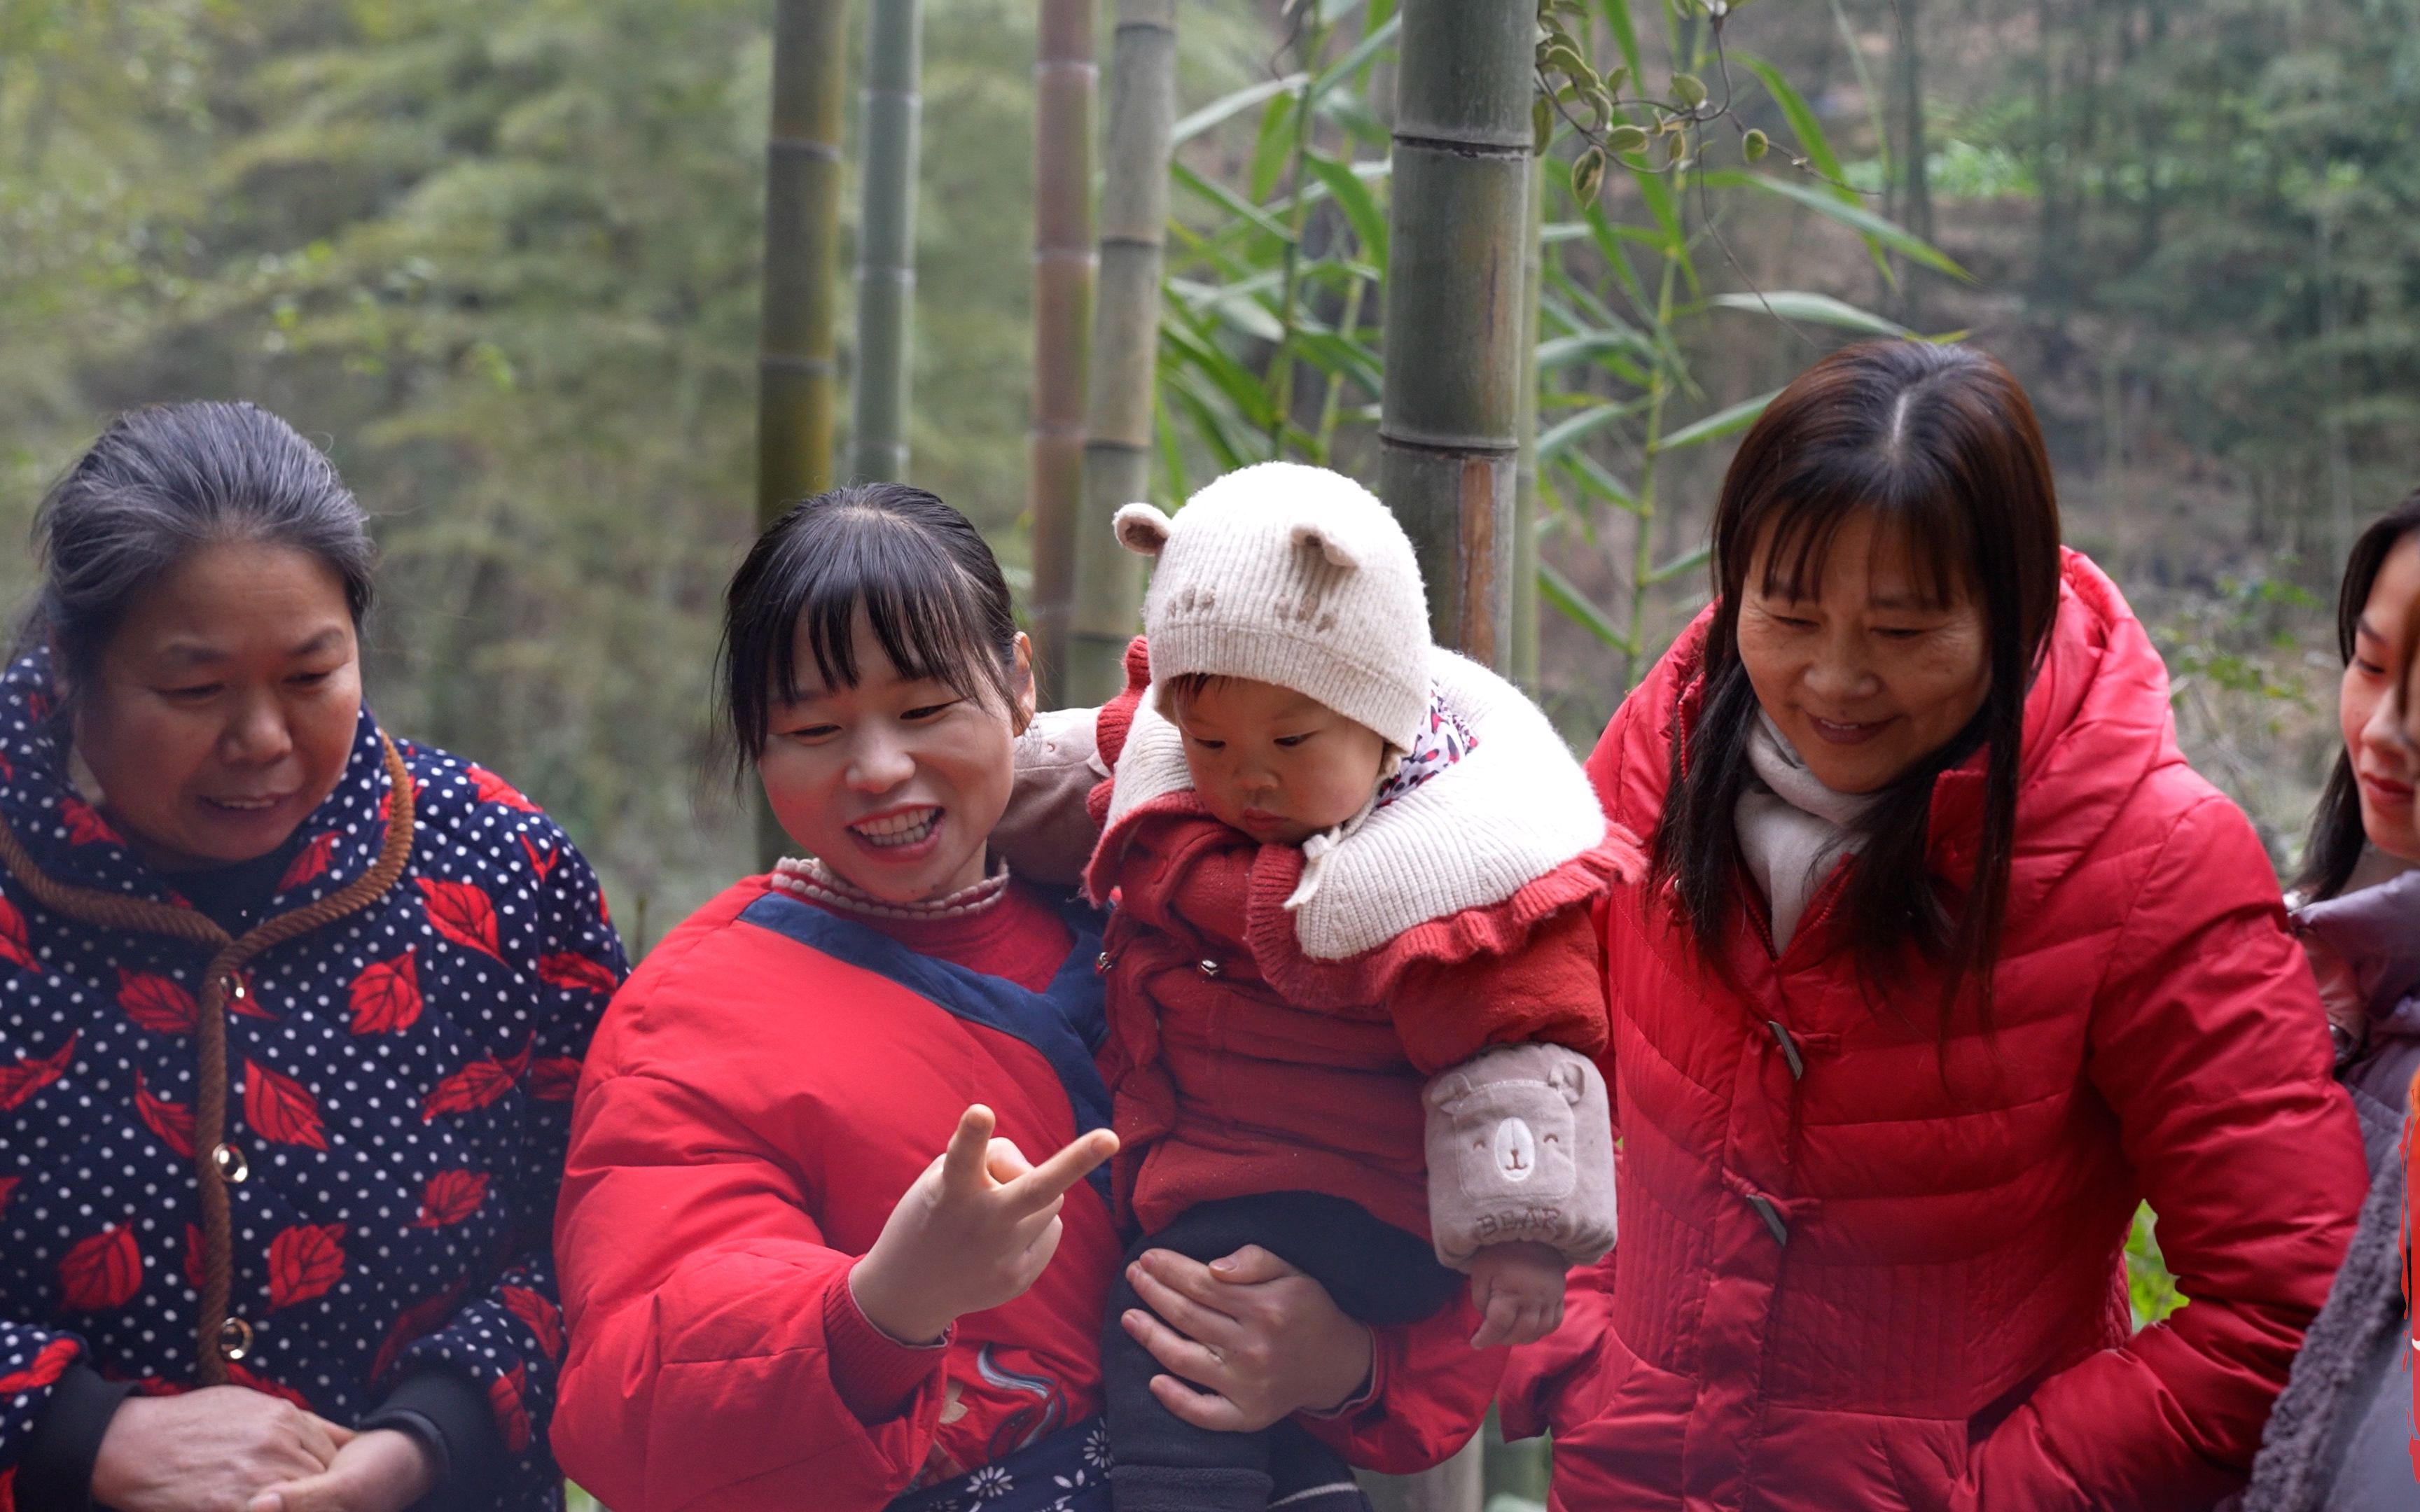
{"x": 1228, "y": 200}
{"x": 1379, "y": 38}
{"x": 1597, "y": 483}
{"x": 1361, "y": 207}
{"x": 1243, "y": 389}
{"x": 1574, "y": 606}
{"x": 1207, "y": 423}
{"x": 1273, "y": 148}
{"x": 1686, "y": 561}
{"x": 1857, "y": 217}
{"x": 1722, "y": 423}
{"x": 1570, "y": 433}
{"x": 1228, "y": 106}
{"x": 1563, "y": 351}
{"x": 1804, "y": 123}
{"x": 1625, "y": 34}
{"x": 1794, "y": 304}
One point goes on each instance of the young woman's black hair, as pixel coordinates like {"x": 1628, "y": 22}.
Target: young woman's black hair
{"x": 1941, "y": 445}
{"x": 920, "y": 573}
{"x": 162, "y": 482}
{"x": 2336, "y": 835}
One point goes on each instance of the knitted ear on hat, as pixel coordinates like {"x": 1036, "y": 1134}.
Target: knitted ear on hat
{"x": 1322, "y": 540}
{"x": 1141, "y": 529}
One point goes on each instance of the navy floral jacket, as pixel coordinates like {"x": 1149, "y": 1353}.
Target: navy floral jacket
{"x": 399, "y": 1086}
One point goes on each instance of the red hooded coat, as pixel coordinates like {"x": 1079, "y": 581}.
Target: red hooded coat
{"x": 1851, "y": 1274}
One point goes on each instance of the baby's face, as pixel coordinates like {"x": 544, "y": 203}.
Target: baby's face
{"x": 1273, "y": 763}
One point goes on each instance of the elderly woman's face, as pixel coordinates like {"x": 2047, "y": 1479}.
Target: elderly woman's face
{"x": 1862, "y": 674}
{"x": 2383, "y": 759}
{"x": 896, "y": 784}
{"x": 224, "y": 708}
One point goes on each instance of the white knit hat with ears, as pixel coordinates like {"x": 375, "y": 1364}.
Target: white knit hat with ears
{"x": 1295, "y": 576}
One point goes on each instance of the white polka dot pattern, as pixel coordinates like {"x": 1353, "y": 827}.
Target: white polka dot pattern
{"x": 399, "y": 1096}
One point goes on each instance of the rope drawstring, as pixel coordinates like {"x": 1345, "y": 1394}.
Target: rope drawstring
{"x": 117, "y": 911}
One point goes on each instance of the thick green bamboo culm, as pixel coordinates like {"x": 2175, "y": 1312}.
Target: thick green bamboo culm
{"x": 1118, "y": 411}
{"x": 1450, "y": 413}
{"x": 1064, "y": 258}
{"x": 795, "y": 366}
{"x": 886, "y": 240}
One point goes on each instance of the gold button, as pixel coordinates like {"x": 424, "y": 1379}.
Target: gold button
{"x": 1101, "y": 963}
{"x": 230, "y": 1165}
{"x": 235, "y": 1338}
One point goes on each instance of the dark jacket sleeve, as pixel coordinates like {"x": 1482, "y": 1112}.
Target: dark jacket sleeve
{"x": 55, "y": 1473}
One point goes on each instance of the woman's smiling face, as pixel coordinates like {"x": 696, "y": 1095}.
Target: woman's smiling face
{"x": 2382, "y": 759}
{"x": 224, "y": 706}
{"x": 896, "y": 782}
{"x": 1862, "y": 671}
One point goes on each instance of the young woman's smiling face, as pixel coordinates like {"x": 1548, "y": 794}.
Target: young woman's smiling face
{"x": 896, "y": 782}
{"x": 2383, "y": 759}
{"x": 1277, "y": 765}
{"x": 223, "y": 707}
{"x": 1862, "y": 672}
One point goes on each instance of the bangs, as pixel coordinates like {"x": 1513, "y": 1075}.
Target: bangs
{"x": 1801, "y": 520}
{"x": 908, "y": 568}
{"x": 914, "y": 597}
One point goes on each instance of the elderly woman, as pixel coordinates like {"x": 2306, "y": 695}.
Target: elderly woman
{"x": 1945, "y": 962}
{"x": 290, "y": 1016}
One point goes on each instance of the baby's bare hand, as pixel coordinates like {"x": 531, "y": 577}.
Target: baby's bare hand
{"x": 1519, "y": 1290}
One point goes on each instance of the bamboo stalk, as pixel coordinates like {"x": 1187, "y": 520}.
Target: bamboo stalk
{"x": 1063, "y": 265}
{"x": 1125, "y": 342}
{"x": 796, "y": 361}
{"x": 1525, "y": 498}
{"x": 886, "y": 242}
{"x": 1449, "y": 425}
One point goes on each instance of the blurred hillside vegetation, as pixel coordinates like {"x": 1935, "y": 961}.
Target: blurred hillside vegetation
{"x": 501, "y": 257}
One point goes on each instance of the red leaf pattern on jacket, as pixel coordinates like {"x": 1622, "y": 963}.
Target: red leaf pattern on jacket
{"x": 475, "y": 1086}
{"x": 541, "y": 862}
{"x": 248, "y": 1002}
{"x": 450, "y": 1197}
{"x": 570, "y": 969}
{"x": 504, "y": 1396}
{"x": 48, "y": 1366}
{"x": 237, "y": 1375}
{"x": 155, "y": 1003}
{"x": 495, "y": 789}
{"x": 14, "y": 943}
{"x": 309, "y": 862}
{"x": 544, "y": 1318}
{"x": 281, "y": 1108}
{"x": 101, "y": 1273}
{"x": 173, "y": 1122}
{"x": 386, "y": 995}
{"x": 194, "y": 1257}
{"x": 86, "y": 826}
{"x": 554, "y": 1078}
{"x": 463, "y": 912}
{"x": 415, "y": 1321}
{"x": 31, "y": 1073}
{"x": 304, "y": 1261}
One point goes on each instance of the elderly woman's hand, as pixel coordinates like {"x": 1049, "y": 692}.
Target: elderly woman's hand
{"x": 1260, "y": 1339}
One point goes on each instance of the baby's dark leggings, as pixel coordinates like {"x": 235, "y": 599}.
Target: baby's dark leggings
{"x": 1374, "y": 1271}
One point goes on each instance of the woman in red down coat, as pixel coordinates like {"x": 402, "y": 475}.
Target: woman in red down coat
{"x": 1872, "y": 1243}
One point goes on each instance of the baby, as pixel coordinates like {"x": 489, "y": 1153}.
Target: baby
{"x": 1354, "y": 982}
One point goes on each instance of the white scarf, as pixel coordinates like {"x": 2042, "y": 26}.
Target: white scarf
{"x": 1792, "y": 829}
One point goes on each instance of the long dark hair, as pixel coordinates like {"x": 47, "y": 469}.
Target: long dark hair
{"x": 165, "y": 481}
{"x": 928, "y": 585}
{"x": 1940, "y": 444}
{"x": 2336, "y": 836}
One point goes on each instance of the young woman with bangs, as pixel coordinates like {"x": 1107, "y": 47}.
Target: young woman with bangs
{"x": 832, "y": 1232}
{"x": 1945, "y": 962}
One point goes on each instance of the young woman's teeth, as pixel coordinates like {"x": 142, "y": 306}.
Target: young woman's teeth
{"x": 245, "y": 805}
{"x": 898, "y": 829}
